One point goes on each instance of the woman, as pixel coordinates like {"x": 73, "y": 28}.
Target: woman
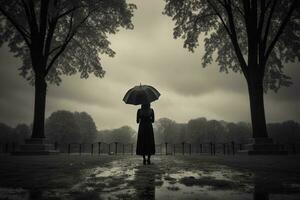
{"x": 145, "y": 140}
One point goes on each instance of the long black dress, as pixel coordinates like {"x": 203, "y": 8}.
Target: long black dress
{"x": 145, "y": 140}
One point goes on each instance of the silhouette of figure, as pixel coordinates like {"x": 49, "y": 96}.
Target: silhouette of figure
{"x": 145, "y": 140}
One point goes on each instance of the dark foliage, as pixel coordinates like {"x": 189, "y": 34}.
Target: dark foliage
{"x": 201, "y": 130}
{"x": 230, "y": 30}
{"x": 17, "y": 134}
{"x": 254, "y": 37}
{"x": 67, "y": 127}
{"x": 124, "y": 134}
{"x": 60, "y": 37}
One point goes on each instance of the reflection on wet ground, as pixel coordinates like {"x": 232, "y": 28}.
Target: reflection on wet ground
{"x": 166, "y": 178}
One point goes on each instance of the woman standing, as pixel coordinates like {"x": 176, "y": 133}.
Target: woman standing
{"x": 143, "y": 95}
{"x": 145, "y": 140}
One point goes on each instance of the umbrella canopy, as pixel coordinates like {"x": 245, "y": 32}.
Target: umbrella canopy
{"x": 141, "y": 94}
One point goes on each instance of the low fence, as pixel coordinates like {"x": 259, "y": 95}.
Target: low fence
{"x": 117, "y": 148}
{"x": 96, "y": 148}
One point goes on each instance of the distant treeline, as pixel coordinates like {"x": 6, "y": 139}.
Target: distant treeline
{"x": 125, "y": 134}
{"x": 17, "y": 134}
{"x": 201, "y": 130}
{"x": 79, "y": 127}
{"x": 69, "y": 127}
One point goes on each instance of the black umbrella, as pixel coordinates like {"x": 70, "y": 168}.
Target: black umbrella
{"x": 141, "y": 94}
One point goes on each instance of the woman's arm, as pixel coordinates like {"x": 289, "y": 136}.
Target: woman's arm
{"x": 152, "y": 116}
{"x": 138, "y": 116}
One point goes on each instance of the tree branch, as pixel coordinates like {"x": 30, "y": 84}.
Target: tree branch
{"x": 265, "y": 38}
{"x": 20, "y": 28}
{"x": 221, "y": 2}
{"x": 27, "y": 13}
{"x": 33, "y": 22}
{"x": 69, "y": 11}
{"x": 54, "y": 49}
{"x": 280, "y": 30}
{"x": 63, "y": 46}
{"x": 68, "y": 38}
{"x": 43, "y": 20}
{"x": 234, "y": 39}
{"x": 246, "y": 7}
{"x": 239, "y": 10}
{"x": 220, "y": 17}
{"x": 49, "y": 37}
{"x": 261, "y": 18}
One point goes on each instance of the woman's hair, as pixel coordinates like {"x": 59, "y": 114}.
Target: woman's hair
{"x": 146, "y": 106}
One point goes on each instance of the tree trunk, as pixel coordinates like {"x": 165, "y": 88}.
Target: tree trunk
{"x": 256, "y": 97}
{"x": 39, "y": 108}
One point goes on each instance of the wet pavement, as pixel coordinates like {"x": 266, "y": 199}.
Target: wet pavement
{"x": 167, "y": 177}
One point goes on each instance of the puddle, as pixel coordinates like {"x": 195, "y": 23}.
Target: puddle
{"x": 183, "y": 173}
{"x": 197, "y": 184}
{"x": 219, "y": 175}
{"x": 149, "y": 182}
{"x": 114, "y": 172}
{"x": 131, "y": 180}
{"x": 152, "y": 184}
{"x": 109, "y": 182}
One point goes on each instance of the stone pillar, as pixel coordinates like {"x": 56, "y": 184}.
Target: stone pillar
{"x": 36, "y": 146}
{"x": 262, "y": 146}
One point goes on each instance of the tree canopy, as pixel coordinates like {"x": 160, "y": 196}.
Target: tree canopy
{"x": 123, "y": 134}
{"x": 56, "y": 37}
{"x": 235, "y": 30}
{"x": 61, "y": 127}
{"x": 64, "y": 126}
{"x": 14, "y": 134}
{"x": 202, "y": 130}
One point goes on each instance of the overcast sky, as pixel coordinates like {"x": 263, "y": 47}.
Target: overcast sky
{"x": 148, "y": 55}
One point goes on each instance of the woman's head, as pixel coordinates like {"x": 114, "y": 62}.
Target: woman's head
{"x": 146, "y": 106}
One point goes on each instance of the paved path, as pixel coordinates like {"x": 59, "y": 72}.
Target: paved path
{"x": 168, "y": 177}
{"x": 179, "y": 177}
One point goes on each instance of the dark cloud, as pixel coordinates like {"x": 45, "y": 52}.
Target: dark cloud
{"x": 149, "y": 55}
